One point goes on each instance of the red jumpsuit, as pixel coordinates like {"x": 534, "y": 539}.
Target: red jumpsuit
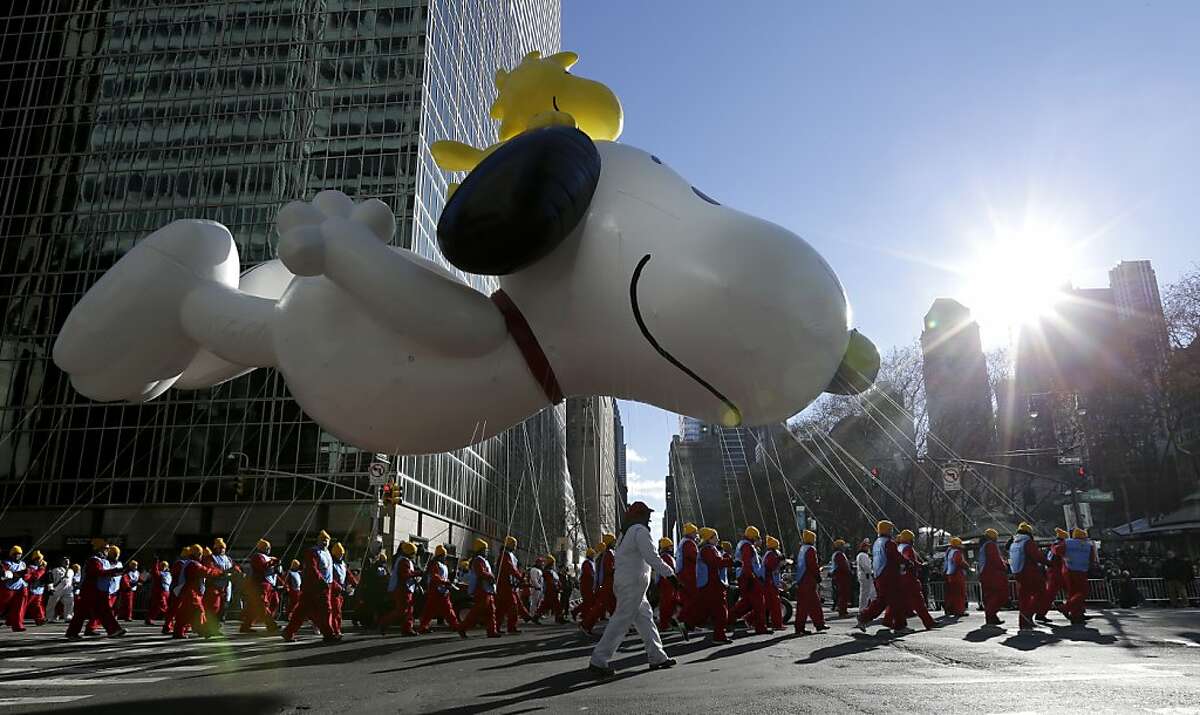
{"x": 343, "y": 580}
{"x": 751, "y": 599}
{"x": 257, "y": 591}
{"x": 604, "y": 602}
{"x": 481, "y": 584}
{"x": 275, "y": 595}
{"x": 216, "y": 589}
{"x": 774, "y": 606}
{"x": 993, "y": 580}
{"x": 808, "y": 593}
{"x": 889, "y": 589}
{"x": 685, "y": 570}
{"x": 711, "y": 603}
{"x": 587, "y": 582}
{"x": 14, "y": 600}
{"x": 293, "y": 585}
{"x": 402, "y": 585}
{"x": 92, "y": 601}
{"x": 1031, "y": 581}
{"x": 1055, "y": 576}
{"x": 508, "y": 605}
{"x": 437, "y": 596}
{"x": 125, "y": 594}
{"x": 550, "y": 597}
{"x": 842, "y": 581}
{"x": 35, "y": 606}
{"x": 956, "y": 582}
{"x": 189, "y": 609}
{"x": 666, "y": 593}
{"x": 172, "y": 599}
{"x": 159, "y": 594}
{"x": 313, "y": 603}
{"x": 914, "y": 598}
{"x": 1079, "y": 557}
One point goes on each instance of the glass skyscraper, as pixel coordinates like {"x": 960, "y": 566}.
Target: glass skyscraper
{"x": 120, "y": 116}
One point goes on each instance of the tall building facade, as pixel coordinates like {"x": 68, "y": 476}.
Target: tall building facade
{"x": 622, "y": 463}
{"x": 958, "y": 397}
{"x": 690, "y": 428}
{"x": 123, "y": 115}
{"x": 592, "y": 456}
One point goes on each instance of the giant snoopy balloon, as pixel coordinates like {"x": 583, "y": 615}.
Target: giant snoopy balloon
{"x": 617, "y": 277}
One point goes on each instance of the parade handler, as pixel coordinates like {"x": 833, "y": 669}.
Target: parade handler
{"x": 636, "y": 557}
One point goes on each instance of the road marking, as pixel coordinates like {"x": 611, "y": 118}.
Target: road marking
{"x": 43, "y": 700}
{"x": 49, "y": 658}
{"x": 76, "y": 681}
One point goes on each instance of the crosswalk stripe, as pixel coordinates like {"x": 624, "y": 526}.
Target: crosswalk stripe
{"x": 68, "y": 682}
{"x": 43, "y": 700}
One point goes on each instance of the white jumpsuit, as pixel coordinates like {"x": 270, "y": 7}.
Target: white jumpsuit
{"x": 635, "y": 558}
{"x": 62, "y": 580}
{"x": 866, "y": 579}
{"x": 535, "y": 589}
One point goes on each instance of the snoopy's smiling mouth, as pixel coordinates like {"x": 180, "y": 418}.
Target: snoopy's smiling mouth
{"x": 735, "y": 416}
{"x": 554, "y": 102}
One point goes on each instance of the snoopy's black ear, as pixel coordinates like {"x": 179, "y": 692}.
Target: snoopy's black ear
{"x": 859, "y": 368}
{"x": 520, "y": 202}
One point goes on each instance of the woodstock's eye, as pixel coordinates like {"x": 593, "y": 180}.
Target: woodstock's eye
{"x": 655, "y": 159}
{"x": 706, "y": 197}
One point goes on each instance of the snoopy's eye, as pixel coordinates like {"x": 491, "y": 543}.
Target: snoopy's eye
{"x": 706, "y": 197}
{"x": 655, "y": 159}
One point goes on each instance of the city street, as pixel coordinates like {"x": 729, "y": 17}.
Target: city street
{"x": 1144, "y": 660}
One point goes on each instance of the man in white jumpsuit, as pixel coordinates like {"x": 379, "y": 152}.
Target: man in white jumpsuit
{"x": 866, "y": 574}
{"x": 635, "y": 556}
{"x": 536, "y": 585}
{"x": 62, "y": 580}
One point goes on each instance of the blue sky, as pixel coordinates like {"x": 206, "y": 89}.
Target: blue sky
{"x": 899, "y": 138}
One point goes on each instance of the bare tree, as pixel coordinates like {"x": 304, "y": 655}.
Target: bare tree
{"x": 1181, "y": 307}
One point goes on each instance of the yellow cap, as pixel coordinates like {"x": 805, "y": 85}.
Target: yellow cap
{"x": 480, "y": 544}
{"x": 262, "y": 545}
{"x": 1025, "y": 528}
{"x": 75, "y": 567}
{"x": 295, "y": 564}
{"x": 590, "y": 552}
{"x": 772, "y": 542}
{"x": 905, "y": 537}
{"x": 463, "y": 564}
{"x": 1079, "y": 533}
{"x": 955, "y": 541}
{"x": 751, "y": 533}
{"x": 99, "y": 542}
{"x": 726, "y": 546}
{"x": 665, "y": 543}
{"x": 185, "y": 552}
{"x": 196, "y": 550}
{"x": 510, "y": 542}
{"x": 16, "y": 551}
{"x": 322, "y": 534}
{"x": 132, "y": 563}
{"x": 205, "y": 551}
{"x": 810, "y": 536}
{"x": 991, "y": 534}
{"x": 1060, "y": 533}
{"x": 707, "y": 534}
{"x": 218, "y": 542}
{"x": 114, "y": 551}
{"x": 337, "y": 550}
{"x": 690, "y": 528}
{"x": 163, "y": 565}
{"x": 609, "y": 539}
{"x": 600, "y": 547}
{"x": 408, "y": 548}
{"x": 884, "y": 527}
{"x": 550, "y": 559}
{"x": 839, "y": 543}
{"x": 439, "y": 550}
{"x": 36, "y": 556}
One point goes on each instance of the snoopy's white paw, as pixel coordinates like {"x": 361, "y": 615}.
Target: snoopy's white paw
{"x": 125, "y": 339}
{"x": 301, "y": 243}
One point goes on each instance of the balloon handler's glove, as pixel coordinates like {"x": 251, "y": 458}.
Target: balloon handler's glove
{"x": 674, "y": 581}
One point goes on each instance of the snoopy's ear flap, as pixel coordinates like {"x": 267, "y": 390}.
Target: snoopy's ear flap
{"x": 520, "y": 202}
{"x": 566, "y": 60}
{"x": 859, "y": 368}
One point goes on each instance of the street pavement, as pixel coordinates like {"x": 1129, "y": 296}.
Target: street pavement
{"x": 1122, "y": 661}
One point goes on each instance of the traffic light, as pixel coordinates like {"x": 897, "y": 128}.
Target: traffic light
{"x": 875, "y": 472}
{"x": 398, "y": 493}
{"x": 393, "y": 494}
{"x": 1082, "y": 473}
{"x": 240, "y": 489}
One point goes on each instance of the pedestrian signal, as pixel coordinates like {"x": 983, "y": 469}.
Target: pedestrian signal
{"x": 875, "y": 472}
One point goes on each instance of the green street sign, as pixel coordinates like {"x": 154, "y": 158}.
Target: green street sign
{"x": 1095, "y": 495}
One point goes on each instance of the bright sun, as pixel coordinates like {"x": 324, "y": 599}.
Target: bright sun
{"x": 1016, "y": 278}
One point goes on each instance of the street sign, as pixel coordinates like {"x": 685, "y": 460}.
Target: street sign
{"x": 378, "y": 474}
{"x": 1095, "y": 496}
{"x": 1063, "y": 461}
{"x": 1085, "y": 516}
{"x": 951, "y": 479}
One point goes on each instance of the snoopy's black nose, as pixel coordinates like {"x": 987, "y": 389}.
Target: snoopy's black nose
{"x": 859, "y": 368}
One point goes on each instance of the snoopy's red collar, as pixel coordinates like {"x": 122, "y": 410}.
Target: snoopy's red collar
{"x": 531, "y": 349}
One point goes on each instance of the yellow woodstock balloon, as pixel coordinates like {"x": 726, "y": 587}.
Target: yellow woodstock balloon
{"x": 540, "y": 92}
